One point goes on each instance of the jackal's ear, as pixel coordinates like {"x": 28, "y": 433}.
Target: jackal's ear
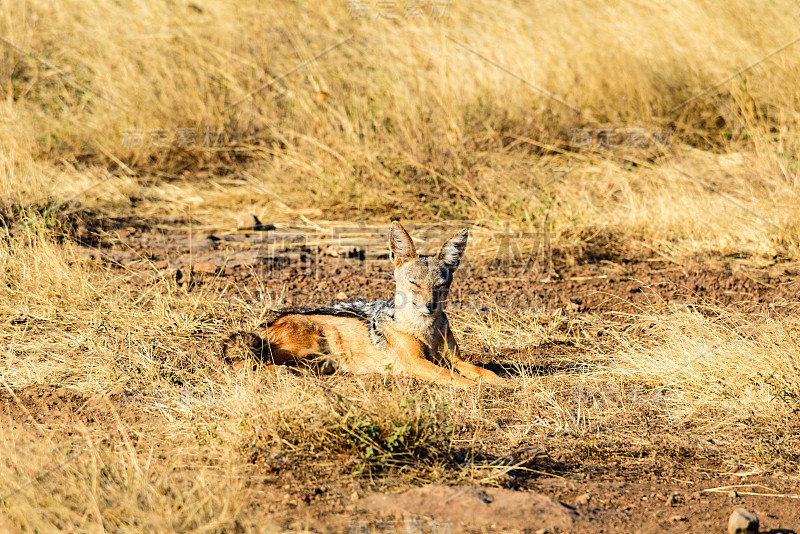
{"x": 452, "y": 250}
{"x": 401, "y": 245}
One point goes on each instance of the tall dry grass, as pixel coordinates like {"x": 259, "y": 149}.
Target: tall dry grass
{"x": 403, "y": 121}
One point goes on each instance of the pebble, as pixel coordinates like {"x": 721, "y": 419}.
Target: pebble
{"x": 742, "y": 522}
{"x": 183, "y": 277}
{"x": 247, "y": 221}
{"x": 208, "y": 267}
{"x": 583, "y": 499}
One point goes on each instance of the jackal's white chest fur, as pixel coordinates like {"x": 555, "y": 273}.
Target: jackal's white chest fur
{"x": 429, "y": 329}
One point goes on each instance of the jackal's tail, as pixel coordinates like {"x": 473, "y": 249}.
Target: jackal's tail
{"x": 241, "y": 346}
{"x": 290, "y": 339}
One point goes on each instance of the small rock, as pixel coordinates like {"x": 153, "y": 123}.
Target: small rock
{"x": 163, "y": 264}
{"x": 341, "y": 295}
{"x": 343, "y": 251}
{"x": 742, "y": 522}
{"x": 205, "y": 267}
{"x": 583, "y": 499}
{"x": 354, "y": 496}
{"x": 677, "y": 518}
{"x": 183, "y": 277}
{"x": 247, "y": 221}
{"x": 122, "y": 234}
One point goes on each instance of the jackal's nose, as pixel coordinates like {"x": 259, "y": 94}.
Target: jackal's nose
{"x": 431, "y": 307}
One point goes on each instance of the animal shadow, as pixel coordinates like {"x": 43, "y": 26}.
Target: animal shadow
{"x": 519, "y": 370}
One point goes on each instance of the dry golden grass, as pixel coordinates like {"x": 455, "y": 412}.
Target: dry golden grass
{"x": 163, "y": 423}
{"x": 469, "y": 140}
{"x": 399, "y": 121}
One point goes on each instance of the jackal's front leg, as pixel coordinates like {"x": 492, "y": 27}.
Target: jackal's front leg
{"x": 419, "y": 367}
{"x": 408, "y": 358}
{"x": 474, "y": 372}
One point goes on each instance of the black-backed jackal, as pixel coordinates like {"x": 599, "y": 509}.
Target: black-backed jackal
{"x": 408, "y": 335}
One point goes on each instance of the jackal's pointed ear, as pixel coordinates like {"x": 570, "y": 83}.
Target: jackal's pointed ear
{"x": 451, "y": 252}
{"x": 401, "y": 245}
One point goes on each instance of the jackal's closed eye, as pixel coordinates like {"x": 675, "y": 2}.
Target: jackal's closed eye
{"x": 413, "y": 283}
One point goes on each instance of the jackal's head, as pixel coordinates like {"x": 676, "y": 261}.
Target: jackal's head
{"x": 423, "y": 282}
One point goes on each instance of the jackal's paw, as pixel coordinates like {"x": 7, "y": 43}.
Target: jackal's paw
{"x": 492, "y": 379}
{"x": 463, "y": 383}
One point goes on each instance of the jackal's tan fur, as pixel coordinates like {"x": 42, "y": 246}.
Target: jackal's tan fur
{"x": 407, "y": 336}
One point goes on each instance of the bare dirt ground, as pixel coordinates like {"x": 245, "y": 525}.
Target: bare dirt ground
{"x": 677, "y": 482}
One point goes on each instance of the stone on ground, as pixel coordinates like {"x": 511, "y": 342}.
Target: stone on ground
{"x": 742, "y": 522}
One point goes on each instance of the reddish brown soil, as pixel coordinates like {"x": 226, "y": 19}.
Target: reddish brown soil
{"x": 623, "y": 494}
{"x": 310, "y": 276}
